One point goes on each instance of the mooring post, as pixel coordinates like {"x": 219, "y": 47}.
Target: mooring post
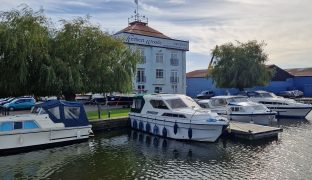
{"x": 99, "y": 110}
{"x": 109, "y": 114}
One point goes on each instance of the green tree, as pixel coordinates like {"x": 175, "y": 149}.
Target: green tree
{"x": 240, "y": 66}
{"x": 36, "y": 59}
{"x": 24, "y": 53}
{"x": 91, "y": 60}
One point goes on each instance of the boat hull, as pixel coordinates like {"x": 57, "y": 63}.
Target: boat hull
{"x": 12, "y": 142}
{"x": 199, "y": 132}
{"x": 295, "y": 112}
{"x": 262, "y": 119}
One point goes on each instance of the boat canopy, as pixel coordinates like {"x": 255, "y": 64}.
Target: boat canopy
{"x": 72, "y": 114}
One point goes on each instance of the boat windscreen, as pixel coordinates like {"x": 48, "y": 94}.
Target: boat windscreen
{"x": 176, "y": 103}
{"x": 239, "y": 99}
{"x": 268, "y": 95}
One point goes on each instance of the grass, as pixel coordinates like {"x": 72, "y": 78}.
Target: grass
{"x": 93, "y": 115}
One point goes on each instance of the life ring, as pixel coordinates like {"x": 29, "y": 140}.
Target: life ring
{"x": 164, "y": 132}
{"x": 141, "y": 126}
{"x": 175, "y": 128}
{"x": 135, "y": 124}
{"x": 148, "y": 127}
{"x": 190, "y": 133}
{"x": 155, "y": 130}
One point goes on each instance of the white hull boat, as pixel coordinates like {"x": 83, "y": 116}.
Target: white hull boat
{"x": 51, "y": 124}
{"x": 239, "y": 108}
{"x": 283, "y": 106}
{"x": 176, "y": 117}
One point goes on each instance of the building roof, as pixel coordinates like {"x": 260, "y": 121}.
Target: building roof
{"x": 280, "y": 74}
{"x": 142, "y": 28}
{"x": 197, "y": 73}
{"x": 300, "y": 71}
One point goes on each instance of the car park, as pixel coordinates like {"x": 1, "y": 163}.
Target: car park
{"x": 20, "y": 103}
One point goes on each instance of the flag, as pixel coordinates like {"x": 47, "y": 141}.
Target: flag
{"x": 136, "y": 2}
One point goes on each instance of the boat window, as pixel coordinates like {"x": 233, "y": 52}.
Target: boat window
{"x": 259, "y": 107}
{"x": 30, "y": 125}
{"x": 71, "y": 112}
{"x": 18, "y": 125}
{"x": 176, "y": 103}
{"x": 204, "y": 105}
{"x": 6, "y": 126}
{"x": 235, "y": 109}
{"x": 55, "y": 111}
{"x": 267, "y": 95}
{"x": 218, "y": 102}
{"x": 137, "y": 104}
{"x": 239, "y": 99}
{"x": 173, "y": 115}
{"x": 158, "y": 104}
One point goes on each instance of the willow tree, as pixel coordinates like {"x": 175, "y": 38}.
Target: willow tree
{"x": 24, "y": 53}
{"x": 240, "y": 65}
{"x": 91, "y": 60}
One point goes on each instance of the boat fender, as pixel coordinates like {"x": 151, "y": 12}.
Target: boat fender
{"x": 78, "y": 134}
{"x": 175, "y": 128}
{"x": 21, "y": 140}
{"x": 148, "y": 127}
{"x": 164, "y": 132}
{"x": 141, "y": 126}
{"x": 155, "y": 130}
{"x": 135, "y": 124}
{"x": 190, "y": 133}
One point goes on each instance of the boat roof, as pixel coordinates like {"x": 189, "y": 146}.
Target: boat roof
{"x": 70, "y": 113}
{"x": 227, "y": 97}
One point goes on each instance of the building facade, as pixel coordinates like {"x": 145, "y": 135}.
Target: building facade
{"x": 162, "y": 69}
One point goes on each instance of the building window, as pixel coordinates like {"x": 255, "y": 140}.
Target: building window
{"x": 141, "y": 78}
{"x": 174, "y": 88}
{"x": 141, "y": 89}
{"x": 159, "y": 58}
{"x": 158, "y": 89}
{"x": 174, "y": 59}
{"x": 159, "y": 73}
{"x": 143, "y": 60}
{"x": 174, "y": 77}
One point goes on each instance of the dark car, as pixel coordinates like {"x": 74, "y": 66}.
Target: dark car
{"x": 205, "y": 95}
{"x": 291, "y": 94}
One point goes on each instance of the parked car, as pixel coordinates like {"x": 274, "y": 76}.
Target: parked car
{"x": 205, "y": 95}
{"x": 20, "y": 103}
{"x": 7, "y": 100}
{"x": 291, "y": 94}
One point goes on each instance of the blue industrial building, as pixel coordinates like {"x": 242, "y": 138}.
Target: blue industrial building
{"x": 283, "y": 80}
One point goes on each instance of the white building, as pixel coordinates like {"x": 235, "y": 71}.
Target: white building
{"x": 163, "y": 68}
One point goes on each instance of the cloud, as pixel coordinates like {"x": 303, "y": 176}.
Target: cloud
{"x": 284, "y": 25}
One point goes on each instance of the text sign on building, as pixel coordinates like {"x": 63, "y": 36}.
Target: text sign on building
{"x": 153, "y": 41}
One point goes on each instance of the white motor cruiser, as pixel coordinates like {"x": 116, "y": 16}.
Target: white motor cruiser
{"x": 239, "y": 108}
{"x": 51, "y": 123}
{"x": 175, "y": 116}
{"x": 283, "y": 106}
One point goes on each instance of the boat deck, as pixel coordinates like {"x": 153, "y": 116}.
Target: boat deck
{"x": 252, "y": 131}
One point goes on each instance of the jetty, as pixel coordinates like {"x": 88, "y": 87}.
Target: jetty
{"x": 251, "y": 131}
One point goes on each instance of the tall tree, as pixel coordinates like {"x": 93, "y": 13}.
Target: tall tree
{"x": 92, "y": 60}
{"x": 36, "y": 59}
{"x": 240, "y": 65}
{"x": 24, "y": 53}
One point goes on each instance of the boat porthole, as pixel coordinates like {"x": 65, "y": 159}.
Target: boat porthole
{"x": 175, "y": 128}
{"x": 135, "y": 125}
{"x": 141, "y": 126}
{"x": 164, "y": 132}
{"x": 155, "y": 130}
{"x": 190, "y": 133}
{"x": 148, "y": 127}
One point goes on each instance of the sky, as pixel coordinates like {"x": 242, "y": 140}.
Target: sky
{"x": 285, "y": 26}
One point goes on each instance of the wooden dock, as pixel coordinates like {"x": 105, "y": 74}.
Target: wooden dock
{"x": 252, "y": 131}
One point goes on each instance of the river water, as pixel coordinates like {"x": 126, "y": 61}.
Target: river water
{"x": 128, "y": 154}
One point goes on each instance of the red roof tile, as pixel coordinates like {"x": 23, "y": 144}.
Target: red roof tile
{"x": 300, "y": 71}
{"x": 197, "y": 73}
{"x": 142, "y": 28}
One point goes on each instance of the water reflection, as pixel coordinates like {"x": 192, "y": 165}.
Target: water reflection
{"x": 130, "y": 154}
